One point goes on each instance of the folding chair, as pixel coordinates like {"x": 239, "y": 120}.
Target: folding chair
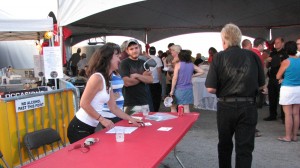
{"x": 4, "y": 161}
{"x": 36, "y": 139}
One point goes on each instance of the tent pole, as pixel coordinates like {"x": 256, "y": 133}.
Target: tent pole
{"x": 146, "y": 41}
{"x": 146, "y": 36}
{"x": 61, "y": 42}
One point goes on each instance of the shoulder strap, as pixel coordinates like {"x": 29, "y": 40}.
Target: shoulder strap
{"x": 98, "y": 73}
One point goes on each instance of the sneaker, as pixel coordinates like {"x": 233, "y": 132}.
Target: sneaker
{"x": 270, "y": 119}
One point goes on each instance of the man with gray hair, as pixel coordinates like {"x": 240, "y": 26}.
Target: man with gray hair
{"x": 235, "y": 76}
{"x": 123, "y": 50}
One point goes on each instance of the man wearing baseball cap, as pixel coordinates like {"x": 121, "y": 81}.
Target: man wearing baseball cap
{"x": 135, "y": 79}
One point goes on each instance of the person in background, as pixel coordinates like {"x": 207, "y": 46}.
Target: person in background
{"x": 265, "y": 54}
{"x": 211, "y": 53}
{"x": 182, "y": 87}
{"x": 123, "y": 50}
{"x": 81, "y": 64}
{"x": 289, "y": 77}
{"x": 104, "y": 61}
{"x": 160, "y": 52}
{"x": 155, "y": 87}
{"x": 163, "y": 77}
{"x": 144, "y": 56}
{"x": 169, "y": 64}
{"x": 198, "y": 59}
{"x": 258, "y": 47}
{"x": 298, "y": 46}
{"x": 135, "y": 79}
{"x": 117, "y": 86}
{"x": 273, "y": 64}
{"x": 235, "y": 76}
{"x": 73, "y": 62}
{"x": 246, "y": 44}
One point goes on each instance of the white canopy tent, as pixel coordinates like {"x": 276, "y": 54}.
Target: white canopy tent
{"x": 153, "y": 20}
{"x": 27, "y": 20}
{"x": 20, "y": 29}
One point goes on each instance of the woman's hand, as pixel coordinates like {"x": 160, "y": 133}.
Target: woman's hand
{"x": 280, "y": 81}
{"x": 106, "y": 123}
{"x": 117, "y": 95}
{"x": 136, "y": 122}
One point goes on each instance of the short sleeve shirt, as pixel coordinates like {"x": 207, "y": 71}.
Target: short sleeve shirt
{"x": 235, "y": 72}
{"x": 277, "y": 58}
{"x": 133, "y": 95}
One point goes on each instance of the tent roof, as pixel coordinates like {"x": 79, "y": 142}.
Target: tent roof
{"x": 165, "y": 18}
{"x": 19, "y": 29}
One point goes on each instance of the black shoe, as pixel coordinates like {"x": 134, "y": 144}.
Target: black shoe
{"x": 258, "y": 134}
{"x": 270, "y": 119}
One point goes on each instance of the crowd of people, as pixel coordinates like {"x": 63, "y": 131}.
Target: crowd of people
{"x": 123, "y": 81}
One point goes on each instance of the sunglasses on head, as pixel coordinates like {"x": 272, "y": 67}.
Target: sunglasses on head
{"x": 150, "y": 64}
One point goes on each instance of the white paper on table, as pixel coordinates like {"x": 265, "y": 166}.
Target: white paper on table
{"x": 127, "y": 130}
{"x": 161, "y": 117}
{"x": 147, "y": 124}
{"x": 164, "y": 129}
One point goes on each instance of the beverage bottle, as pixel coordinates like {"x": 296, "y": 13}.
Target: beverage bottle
{"x": 180, "y": 110}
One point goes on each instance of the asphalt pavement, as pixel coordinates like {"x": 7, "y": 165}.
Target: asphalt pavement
{"x": 198, "y": 149}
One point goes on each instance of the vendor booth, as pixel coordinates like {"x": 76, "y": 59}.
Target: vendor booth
{"x": 24, "y": 106}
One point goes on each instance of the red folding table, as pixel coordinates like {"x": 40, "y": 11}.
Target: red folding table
{"x": 143, "y": 148}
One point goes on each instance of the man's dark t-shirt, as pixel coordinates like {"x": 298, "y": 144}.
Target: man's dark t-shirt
{"x": 133, "y": 95}
{"x": 274, "y": 65}
{"x": 235, "y": 72}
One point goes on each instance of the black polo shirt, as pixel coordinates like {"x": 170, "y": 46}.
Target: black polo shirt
{"x": 274, "y": 65}
{"x": 235, "y": 72}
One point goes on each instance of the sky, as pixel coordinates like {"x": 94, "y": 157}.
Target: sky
{"x": 196, "y": 42}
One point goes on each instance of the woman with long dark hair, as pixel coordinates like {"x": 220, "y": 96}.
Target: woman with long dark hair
{"x": 103, "y": 62}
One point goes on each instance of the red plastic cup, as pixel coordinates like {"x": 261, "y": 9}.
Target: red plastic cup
{"x": 180, "y": 110}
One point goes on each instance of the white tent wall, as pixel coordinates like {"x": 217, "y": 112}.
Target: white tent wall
{"x": 19, "y": 21}
{"x": 18, "y": 54}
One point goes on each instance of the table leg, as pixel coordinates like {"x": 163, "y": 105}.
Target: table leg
{"x": 179, "y": 161}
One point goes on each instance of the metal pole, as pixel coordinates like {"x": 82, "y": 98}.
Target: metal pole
{"x": 49, "y": 111}
{"x": 177, "y": 158}
{"x": 56, "y": 113}
{"x": 63, "y": 117}
{"x": 19, "y": 139}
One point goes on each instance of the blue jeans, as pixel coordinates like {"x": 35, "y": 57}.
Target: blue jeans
{"x": 239, "y": 119}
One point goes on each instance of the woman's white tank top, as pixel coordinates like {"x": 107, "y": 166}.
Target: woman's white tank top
{"x": 100, "y": 98}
